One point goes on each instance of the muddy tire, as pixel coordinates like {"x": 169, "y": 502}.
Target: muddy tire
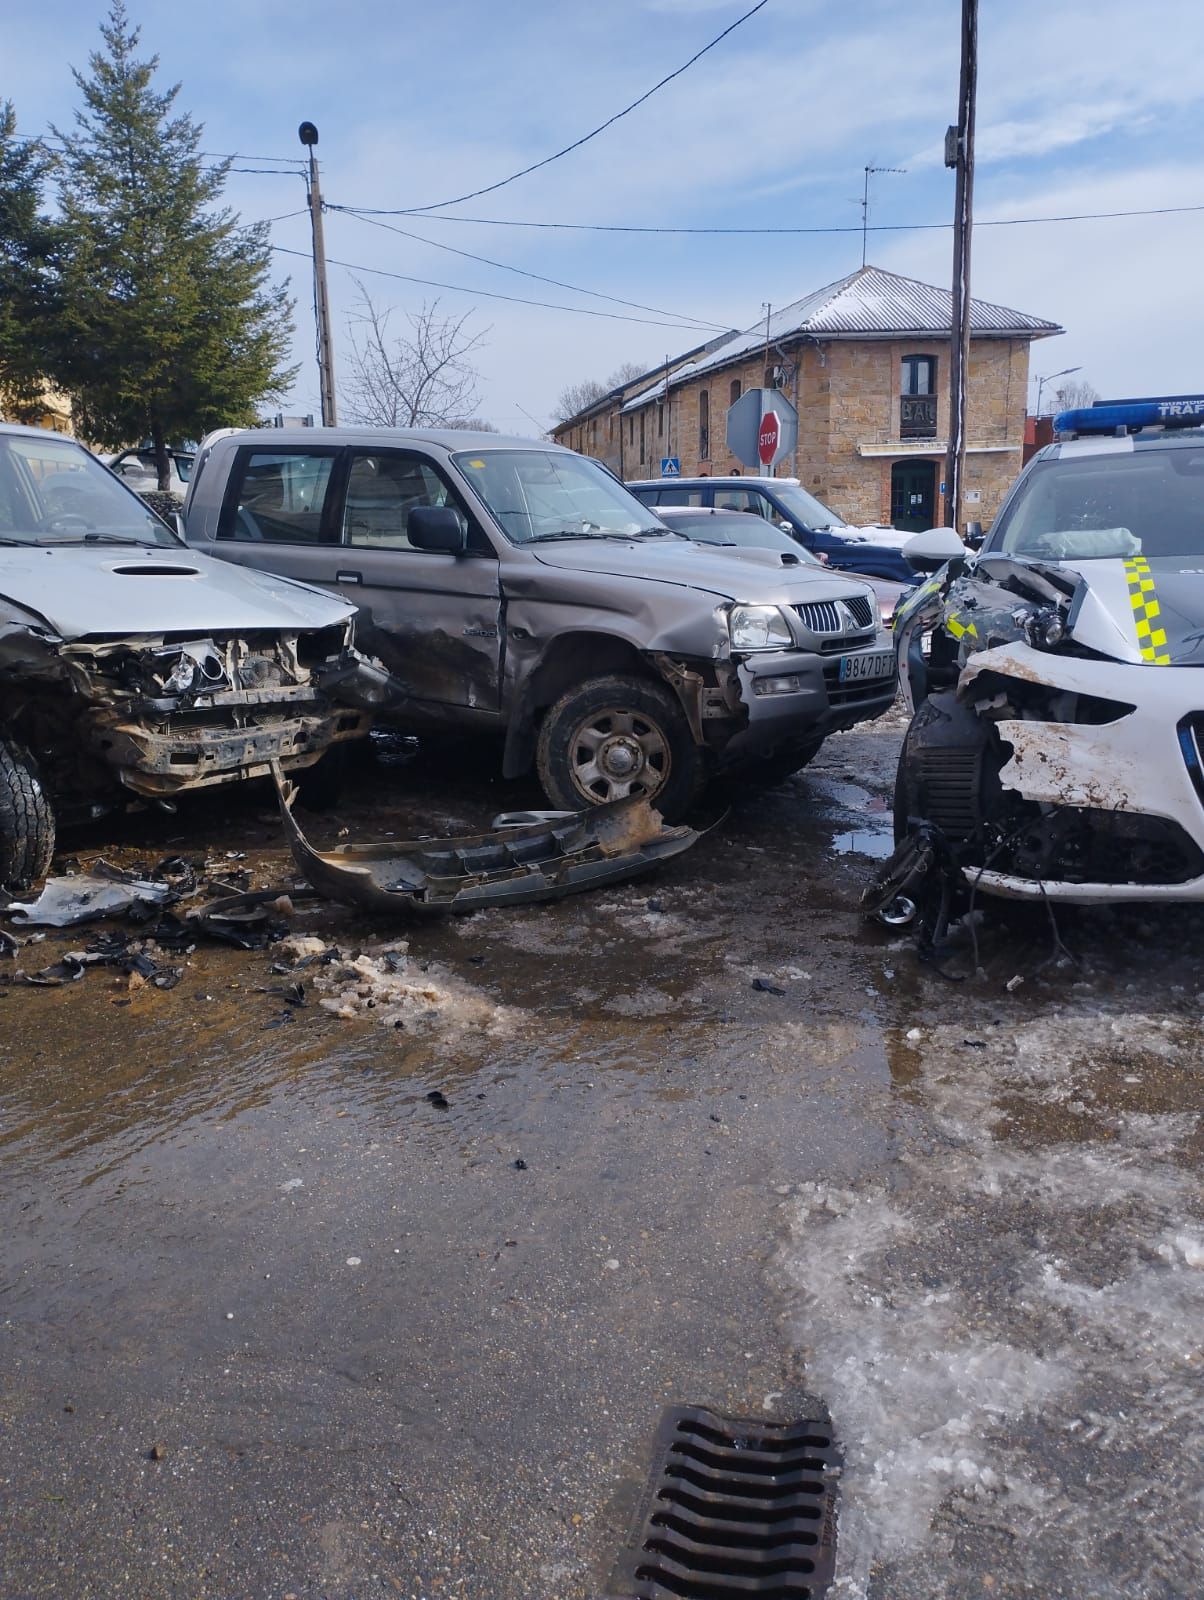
{"x": 26, "y": 821}
{"x": 617, "y": 736}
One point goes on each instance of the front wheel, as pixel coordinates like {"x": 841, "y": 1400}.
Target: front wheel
{"x": 26, "y": 821}
{"x": 617, "y": 736}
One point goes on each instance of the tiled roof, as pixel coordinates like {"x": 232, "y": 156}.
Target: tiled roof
{"x": 868, "y": 303}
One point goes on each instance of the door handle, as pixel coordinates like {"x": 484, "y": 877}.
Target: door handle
{"x": 349, "y": 577}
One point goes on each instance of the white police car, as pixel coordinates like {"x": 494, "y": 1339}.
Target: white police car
{"x": 1057, "y": 744}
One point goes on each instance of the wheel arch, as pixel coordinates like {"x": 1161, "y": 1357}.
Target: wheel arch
{"x": 570, "y": 658}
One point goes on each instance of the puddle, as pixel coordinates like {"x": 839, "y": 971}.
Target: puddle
{"x": 864, "y": 842}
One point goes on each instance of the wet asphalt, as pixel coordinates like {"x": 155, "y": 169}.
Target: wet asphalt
{"x": 274, "y": 1323}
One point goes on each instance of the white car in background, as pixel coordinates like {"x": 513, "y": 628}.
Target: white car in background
{"x": 137, "y": 470}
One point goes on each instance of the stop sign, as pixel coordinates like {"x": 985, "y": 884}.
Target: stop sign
{"x": 767, "y": 438}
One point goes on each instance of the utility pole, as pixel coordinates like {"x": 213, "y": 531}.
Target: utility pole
{"x": 865, "y": 202}
{"x": 765, "y": 364}
{"x": 308, "y": 135}
{"x": 959, "y": 153}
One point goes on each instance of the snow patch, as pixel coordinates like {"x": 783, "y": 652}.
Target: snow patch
{"x": 1009, "y": 1331}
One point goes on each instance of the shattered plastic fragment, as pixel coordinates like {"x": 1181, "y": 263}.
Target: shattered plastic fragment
{"x": 86, "y": 897}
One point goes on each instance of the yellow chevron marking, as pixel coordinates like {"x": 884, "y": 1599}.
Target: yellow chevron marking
{"x": 1150, "y": 640}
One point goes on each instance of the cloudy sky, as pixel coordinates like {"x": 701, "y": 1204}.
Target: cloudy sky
{"x": 1083, "y": 107}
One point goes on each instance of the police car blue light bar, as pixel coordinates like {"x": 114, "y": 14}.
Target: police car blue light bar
{"x": 1127, "y": 416}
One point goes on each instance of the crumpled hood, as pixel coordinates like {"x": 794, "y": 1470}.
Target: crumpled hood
{"x": 754, "y": 576}
{"x": 143, "y": 590}
{"x": 1145, "y": 610}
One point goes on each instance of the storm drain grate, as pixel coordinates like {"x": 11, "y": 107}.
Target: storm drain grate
{"x": 733, "y": 1507}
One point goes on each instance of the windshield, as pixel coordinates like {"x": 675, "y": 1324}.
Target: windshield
{"x": 54, "y": 492}
{"x": 738, "y": 528}
{"x": 551, "y": 494}
{"x": 1107, "y": 506}
{"x": 812, "y": 513}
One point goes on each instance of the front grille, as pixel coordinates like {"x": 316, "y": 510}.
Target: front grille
{"x": 821, "y": 616}
{"x": 734, "y": 1507}
{"x": 825, "y": 616}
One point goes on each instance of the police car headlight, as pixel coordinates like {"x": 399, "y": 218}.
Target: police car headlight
{"x": 759, "y": 628}
{"x": 1044, "y": 627}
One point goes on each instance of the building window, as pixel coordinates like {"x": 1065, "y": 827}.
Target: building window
{"x": 643, "y": 445}
{"x": 917, "y": 398}
{"x": 704, "y": 425}
{"x": 919, "y": 375}
{"x": 735, "y": 392}
{"x": 660, "y": 419}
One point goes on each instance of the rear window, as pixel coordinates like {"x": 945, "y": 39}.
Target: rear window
{"x": 278, "y": 497}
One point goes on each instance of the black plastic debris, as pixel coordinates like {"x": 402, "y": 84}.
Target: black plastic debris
{"x": 733, "y": 1507}
{"x": 248, "y": 921}
{"x": 764, "y": 986}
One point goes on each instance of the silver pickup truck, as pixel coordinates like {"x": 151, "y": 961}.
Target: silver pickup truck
{"x": 511, "y": 586}
{"x": 132, "y": 668}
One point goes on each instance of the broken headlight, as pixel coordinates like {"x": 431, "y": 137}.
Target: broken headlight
{"x": 1043, "y": 627}
{"x": 759, "y": 628}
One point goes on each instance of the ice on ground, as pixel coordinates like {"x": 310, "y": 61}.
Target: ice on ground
{"x": 385, "y": 984}
{"x": 1009, "y": 1326}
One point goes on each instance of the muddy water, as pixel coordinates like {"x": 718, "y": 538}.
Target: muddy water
{"x": 390, "y": 1346}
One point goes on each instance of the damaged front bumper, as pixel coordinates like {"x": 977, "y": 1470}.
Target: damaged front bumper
{"x": 544, "y": 859}
{"x": 156, "y": 763}
{"x": 158, "y": 744}
{"x": 792, "y": 696}
{"x": 1136, "y": 768}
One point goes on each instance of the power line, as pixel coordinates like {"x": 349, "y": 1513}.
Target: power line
{"x": 883, "y": 227}
{"x": 559, "y": 283}
{"x": 486, "y": 294}
{"x": 593, "y": 134}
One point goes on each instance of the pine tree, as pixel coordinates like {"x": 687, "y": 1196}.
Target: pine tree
{"x": 27, "y": 247}
{"x": 169, "y": 326}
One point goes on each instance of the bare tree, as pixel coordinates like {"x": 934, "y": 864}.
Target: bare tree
{"x": 420, "y": 379}
{"x": 1076, "y": 395}
{"x": 578, "y": 396}
{"x": 473, "y": 425}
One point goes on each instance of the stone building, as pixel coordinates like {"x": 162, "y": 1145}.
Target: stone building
{"x": 864, "y": 361}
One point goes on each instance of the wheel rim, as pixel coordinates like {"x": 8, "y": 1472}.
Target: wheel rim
{"x": 617, "y": 752}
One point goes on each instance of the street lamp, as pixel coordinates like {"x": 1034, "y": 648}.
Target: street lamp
{"x": 1049, "y": 378}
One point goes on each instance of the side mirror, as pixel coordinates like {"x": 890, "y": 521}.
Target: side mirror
{"x": 929, "y": 551}
{"x": 975, "y": 537}
{"x": 435, "y": 528}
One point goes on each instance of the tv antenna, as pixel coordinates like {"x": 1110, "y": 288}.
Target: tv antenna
{"x": 865, "y": 201}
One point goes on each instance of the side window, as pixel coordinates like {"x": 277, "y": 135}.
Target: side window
{"x": 383, "y": 487}
{"x": 680, "y": 497}
{"x": 277, "y": 496}
{"x": 743, "y": 500}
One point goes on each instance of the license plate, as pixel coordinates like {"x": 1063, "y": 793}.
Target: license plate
{"x": 878, "y": 664}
